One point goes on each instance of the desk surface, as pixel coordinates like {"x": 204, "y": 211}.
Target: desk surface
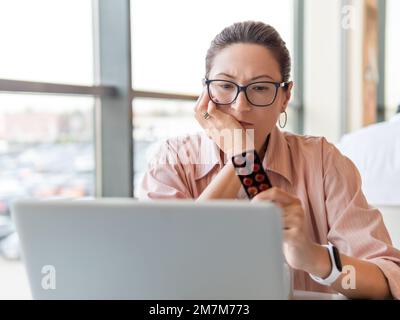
{"x": 14, "y": 285}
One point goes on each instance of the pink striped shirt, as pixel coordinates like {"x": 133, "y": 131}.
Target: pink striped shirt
{"x": 327, "y": 183}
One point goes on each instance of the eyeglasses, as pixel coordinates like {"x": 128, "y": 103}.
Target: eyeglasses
{"x": 259, "y": 94}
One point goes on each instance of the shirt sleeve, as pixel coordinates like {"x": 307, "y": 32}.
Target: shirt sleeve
{"x": 165, "y": 177}
{"x": 356, "y": 228}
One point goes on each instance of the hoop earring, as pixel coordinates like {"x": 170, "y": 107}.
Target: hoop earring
{"x": 279, "y": 121}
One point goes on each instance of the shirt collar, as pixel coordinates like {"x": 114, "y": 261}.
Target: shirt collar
{"x": 276, "y": 159}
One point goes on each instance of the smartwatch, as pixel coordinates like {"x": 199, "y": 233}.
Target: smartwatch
{"x": 336, "y": 266}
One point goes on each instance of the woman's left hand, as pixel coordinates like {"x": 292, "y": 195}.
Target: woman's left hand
{"x": 298, "y": 247}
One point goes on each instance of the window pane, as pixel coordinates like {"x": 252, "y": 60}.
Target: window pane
{"x": 46, "y": 147}
{"x": 169, "y": 44}
{"x": 155, "y": 120}
{"x": 392, "y": 57}
{"x": 46, "y": 40}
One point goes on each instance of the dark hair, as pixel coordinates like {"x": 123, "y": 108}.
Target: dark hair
{"x": 255, "y": 33}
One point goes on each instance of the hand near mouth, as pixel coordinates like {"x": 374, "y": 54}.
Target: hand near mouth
{"x": 228, "y": 133}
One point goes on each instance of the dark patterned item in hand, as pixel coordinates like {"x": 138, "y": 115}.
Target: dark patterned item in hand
{"x": 251, "y": 173}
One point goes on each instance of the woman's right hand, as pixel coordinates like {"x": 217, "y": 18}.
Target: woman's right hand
{"x": 222, "y": 128}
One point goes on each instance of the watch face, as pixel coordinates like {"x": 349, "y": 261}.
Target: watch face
{"x": 336, "y": 255}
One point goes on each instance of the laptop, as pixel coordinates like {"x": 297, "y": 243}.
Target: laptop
{"x": 130, "y": 249}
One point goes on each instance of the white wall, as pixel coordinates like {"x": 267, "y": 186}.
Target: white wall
{"x": 355, "y": 80}
{"x": 322, "y": 95}
{"x": 392, "y": 57}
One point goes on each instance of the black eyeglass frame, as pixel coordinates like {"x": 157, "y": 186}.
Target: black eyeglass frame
{"x": 244, "y": 89}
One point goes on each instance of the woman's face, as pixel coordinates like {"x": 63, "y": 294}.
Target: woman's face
{"x": 245, "y": 63}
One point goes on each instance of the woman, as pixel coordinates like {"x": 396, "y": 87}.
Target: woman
{"x": 247, "y": 88}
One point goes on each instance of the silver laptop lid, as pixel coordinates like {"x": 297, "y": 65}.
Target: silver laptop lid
{"x": 126, "y": 249}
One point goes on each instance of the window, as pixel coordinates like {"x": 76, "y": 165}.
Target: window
{"x": 170, "y": 38}
{"x": 169, "y": 43}
{"x": 47, "y": 138}
{"x": 46, "y": 41}
{"x": 46, "y": 147}
{"x": 46, "y": 141}
{"x": 392, "y": 72}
